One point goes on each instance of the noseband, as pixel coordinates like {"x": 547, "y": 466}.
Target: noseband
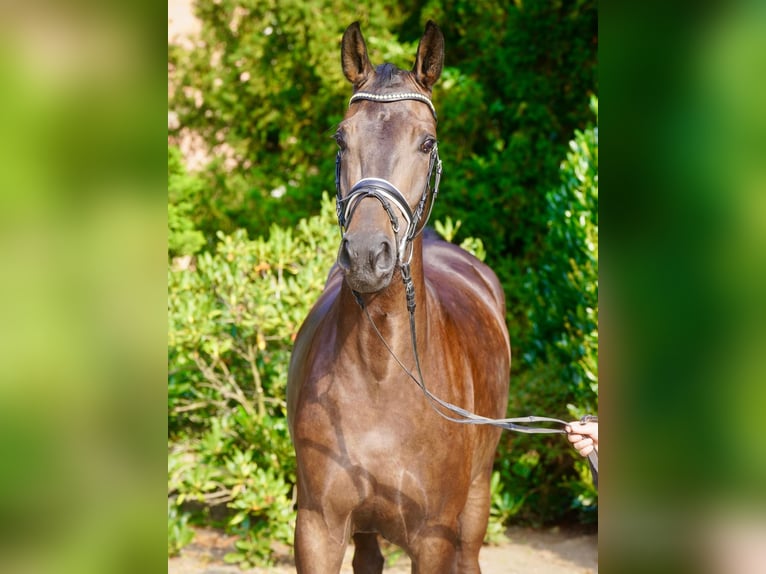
{"x": 386, "y": 192}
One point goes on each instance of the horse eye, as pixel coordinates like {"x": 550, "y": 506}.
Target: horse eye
{"x": 427, "y": 145}
{"x": 340, "y": 141}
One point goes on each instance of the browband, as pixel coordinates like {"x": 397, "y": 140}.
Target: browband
{"x": 394, "y": 98}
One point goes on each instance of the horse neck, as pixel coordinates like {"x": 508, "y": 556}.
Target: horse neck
{"x": 388, "y": 312}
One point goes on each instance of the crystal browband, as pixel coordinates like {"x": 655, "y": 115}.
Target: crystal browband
{"x": 393, "y": 98}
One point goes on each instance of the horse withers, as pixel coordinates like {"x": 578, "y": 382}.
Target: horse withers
{"x": 373, "y": 455}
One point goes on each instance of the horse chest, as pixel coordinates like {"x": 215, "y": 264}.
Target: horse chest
{"x": 376, "y": 426}
{"x": 389, "y": 475}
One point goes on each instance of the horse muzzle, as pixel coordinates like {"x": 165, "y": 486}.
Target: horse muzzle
{"x": 368, "y": 260}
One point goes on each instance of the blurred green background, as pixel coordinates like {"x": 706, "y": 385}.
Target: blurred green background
{"x": 84, "y": 182}
{"x": 684, "y": 277}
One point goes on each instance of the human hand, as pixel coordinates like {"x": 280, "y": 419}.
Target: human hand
{"x": 583, "y": 436}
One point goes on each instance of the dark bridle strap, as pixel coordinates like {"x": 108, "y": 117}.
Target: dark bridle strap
{"x": 386, "y": 193}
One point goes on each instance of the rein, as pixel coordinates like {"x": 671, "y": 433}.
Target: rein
{"x": 386, "y": 193}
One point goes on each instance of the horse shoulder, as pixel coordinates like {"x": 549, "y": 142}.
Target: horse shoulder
{"x": 306, "y": 338}
{"x": 457, "y": 274}
{"x": 470, "y": 303}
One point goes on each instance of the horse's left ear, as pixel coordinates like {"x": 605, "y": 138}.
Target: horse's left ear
{"x": 430, "y": 58}
{"x": 353, "y": 56}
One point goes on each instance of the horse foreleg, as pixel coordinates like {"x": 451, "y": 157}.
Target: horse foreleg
{"x": 434, "y": 553}
{"x": 367, "y": 556}
{"x": 473, "y": 525}
{"x": 319, "y": 548}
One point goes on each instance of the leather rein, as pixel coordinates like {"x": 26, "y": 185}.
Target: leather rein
{"x": 387, "y": 193}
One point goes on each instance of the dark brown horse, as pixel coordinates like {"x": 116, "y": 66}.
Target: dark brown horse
{"x": 373, "y": 455}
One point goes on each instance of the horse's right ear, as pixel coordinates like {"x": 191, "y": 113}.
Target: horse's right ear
{"x": 353, "y": 56}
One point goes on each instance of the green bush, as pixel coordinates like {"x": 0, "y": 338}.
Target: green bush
{"x": 564, "y": 284}
{"x": 264, "y": 90}
{"x": 561, "y": 374}
{"x": 183, "y": 196}
{"x": 233, "y": 315}
{"x": 179, "y": 532}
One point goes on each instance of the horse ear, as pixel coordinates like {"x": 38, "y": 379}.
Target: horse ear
{"x": 353, "y": 56}
{"x": 430, "y": 57}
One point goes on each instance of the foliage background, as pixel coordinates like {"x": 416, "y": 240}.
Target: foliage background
{"x": 259, "y": 92}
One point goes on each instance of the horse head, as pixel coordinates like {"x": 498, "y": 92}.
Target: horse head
{"x": 386, "y": 158}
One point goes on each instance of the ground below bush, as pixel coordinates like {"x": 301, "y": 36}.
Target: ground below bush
{"x": 528, "y": 551}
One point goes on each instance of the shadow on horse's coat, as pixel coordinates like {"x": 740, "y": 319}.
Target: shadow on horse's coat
{"x": 374, "y": 458}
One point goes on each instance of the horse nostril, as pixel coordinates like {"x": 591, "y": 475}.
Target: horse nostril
{"x": 368, "y": 257}
{"x": 384, "y": 257}
{"x": 344, "y": 257}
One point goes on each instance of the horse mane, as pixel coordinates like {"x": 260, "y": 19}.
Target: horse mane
{"x": 388, "y": 76}
{"x": 430, "y": 234}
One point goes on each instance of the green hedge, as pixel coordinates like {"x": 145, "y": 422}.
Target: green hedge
{"x": 233, "y": 315}
{"x": 560, "y": 361}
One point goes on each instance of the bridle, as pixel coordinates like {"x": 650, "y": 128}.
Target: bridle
{"x": 387, "y": 193}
